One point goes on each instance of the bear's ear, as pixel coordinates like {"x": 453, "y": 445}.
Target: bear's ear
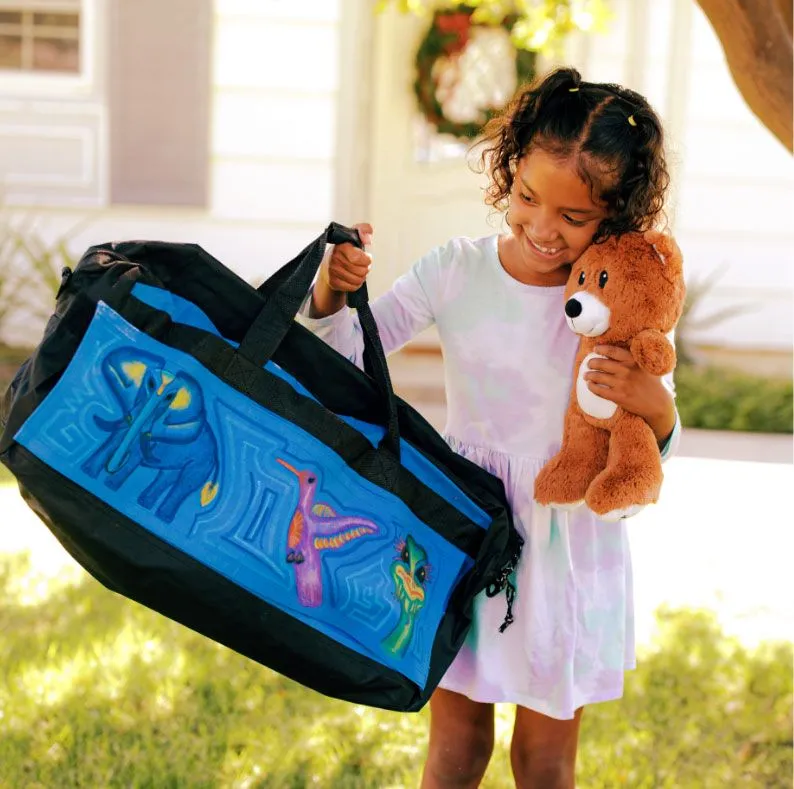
{"x": 665, "y": 247}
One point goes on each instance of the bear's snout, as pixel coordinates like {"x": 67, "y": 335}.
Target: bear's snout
{"x": 586, "y": 314}
{"x": 573, "y": 308}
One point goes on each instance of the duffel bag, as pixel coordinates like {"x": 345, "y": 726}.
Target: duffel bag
{"x": 198, "y": 451}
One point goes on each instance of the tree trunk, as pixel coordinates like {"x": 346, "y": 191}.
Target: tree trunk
{"x": 756, "y": 38}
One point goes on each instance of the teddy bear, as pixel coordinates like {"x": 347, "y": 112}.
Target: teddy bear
{"x": 626, "y": 291}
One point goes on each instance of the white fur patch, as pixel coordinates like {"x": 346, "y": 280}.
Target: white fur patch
{"x": 617, "y": 515}
{"x": 589, "y": 402}
{"x": 661, "y": 256}
{"x": 593, "y": 320}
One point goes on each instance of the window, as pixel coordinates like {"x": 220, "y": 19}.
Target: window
{"x": 40, "y": 37}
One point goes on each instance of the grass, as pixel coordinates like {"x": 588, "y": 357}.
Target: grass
{"x": 99, "y": 691}
{"x": 6, "y": 477}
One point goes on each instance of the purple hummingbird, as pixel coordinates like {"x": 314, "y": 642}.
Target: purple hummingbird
{"x": 315, "y": 528}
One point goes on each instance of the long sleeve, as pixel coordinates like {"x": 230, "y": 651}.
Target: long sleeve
{"x": 671, "y": 447}
{"x": 400, "y": 314}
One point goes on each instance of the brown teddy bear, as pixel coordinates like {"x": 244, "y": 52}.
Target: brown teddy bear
{"x": 627, "y": 291}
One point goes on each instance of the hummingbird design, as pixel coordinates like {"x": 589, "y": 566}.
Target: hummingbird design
{"x": 315, "y": 528}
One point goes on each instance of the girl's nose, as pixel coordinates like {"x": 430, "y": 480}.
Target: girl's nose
{"x": 544, "y": 229}
{"x": 544, "y": 234}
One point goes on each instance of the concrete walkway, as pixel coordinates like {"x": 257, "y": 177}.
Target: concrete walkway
{"x": 720, "y": 538}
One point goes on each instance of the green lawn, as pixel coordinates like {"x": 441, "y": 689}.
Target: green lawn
{"x": 97, "y": 691}
{"x": 6, "y": 478}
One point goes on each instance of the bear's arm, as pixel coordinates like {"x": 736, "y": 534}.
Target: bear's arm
{"x": 653, "y": 352}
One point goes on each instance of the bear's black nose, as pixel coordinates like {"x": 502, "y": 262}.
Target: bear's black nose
{"x": 573, "y": 308}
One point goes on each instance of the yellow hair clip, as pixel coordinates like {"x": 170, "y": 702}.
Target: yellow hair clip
{"x": 572, "y": 90}
{"x": 632, "y": 122}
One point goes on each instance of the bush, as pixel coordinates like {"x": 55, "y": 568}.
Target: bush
{"x": 722, "y": 399}
{"x": 30, "y": 271}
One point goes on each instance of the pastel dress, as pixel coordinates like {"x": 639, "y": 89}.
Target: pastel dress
{"x": 508, "y": 360}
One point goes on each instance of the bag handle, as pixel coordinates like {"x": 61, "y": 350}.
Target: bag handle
{"x": 284, "y": 294}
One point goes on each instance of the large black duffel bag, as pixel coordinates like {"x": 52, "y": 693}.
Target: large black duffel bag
{"x": 197, "y": 450}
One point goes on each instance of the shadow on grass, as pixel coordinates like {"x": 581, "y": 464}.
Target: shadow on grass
{"x": 99, "y": 691}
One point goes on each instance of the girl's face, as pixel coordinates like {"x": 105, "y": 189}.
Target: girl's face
{"x": 552, "y": 216}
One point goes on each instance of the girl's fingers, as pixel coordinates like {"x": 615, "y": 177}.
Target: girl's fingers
{"x": 604, "y": 392}
{"x": 350, "y": 257}
{"x": 608, "y": 366}
{"x": 345, "y": 281}
{"x": 349, "y": 273}
{"x": 365, "y": 232}
{"x": 601, "y": 379}
{"x": 614, "y": 352}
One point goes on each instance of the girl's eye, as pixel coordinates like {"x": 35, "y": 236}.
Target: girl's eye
{"x": 526, "y": 198}
{"x": 602, "y": 279}
{"x": 571, "y": 221}
{"x": 581, "y": 278}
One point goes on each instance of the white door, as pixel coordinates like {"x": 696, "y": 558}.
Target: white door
{"x": 414, "y": 204}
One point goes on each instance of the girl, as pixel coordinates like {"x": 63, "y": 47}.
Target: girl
{"x": 572, "y": 162}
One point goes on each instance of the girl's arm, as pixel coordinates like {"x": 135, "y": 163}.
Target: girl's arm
{"x": 400, "y": 314}
{"x": 669, "y": 441}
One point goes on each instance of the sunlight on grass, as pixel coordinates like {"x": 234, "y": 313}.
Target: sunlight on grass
{"x": 100, "y": 691}
{"x": 50, "y": 576}
{"x": 105, "y": 666}
{"x": 6, "y": 477}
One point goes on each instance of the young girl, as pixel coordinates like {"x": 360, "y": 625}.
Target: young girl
{"x": 572, "y": 162}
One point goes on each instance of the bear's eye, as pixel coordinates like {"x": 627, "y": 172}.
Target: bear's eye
{"x": 581, "y": 278}
{"x": 602, "y": 279}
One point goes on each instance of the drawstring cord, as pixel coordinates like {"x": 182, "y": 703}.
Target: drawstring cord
{"x": 503, "y": 582}
{"x": 510, "y": 594}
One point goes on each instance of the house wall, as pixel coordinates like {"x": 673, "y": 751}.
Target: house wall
{"x": 299, "y": 96}
{"x": 275, "y": 84}
{"x": 730, "y": 203}
{"x": 732, "y": 180}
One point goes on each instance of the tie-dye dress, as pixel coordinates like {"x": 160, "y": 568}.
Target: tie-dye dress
{"x": 509, "y": 357}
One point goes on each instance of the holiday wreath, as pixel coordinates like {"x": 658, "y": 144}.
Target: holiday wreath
{"x": 467, "y": 71}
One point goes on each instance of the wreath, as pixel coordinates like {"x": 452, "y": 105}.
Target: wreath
{"x": 441, "y": 55}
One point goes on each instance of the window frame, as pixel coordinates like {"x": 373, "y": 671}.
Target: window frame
{"x": 32, "y": 84}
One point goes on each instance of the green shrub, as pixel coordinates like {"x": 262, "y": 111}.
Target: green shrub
{"x": 722, "y": 399}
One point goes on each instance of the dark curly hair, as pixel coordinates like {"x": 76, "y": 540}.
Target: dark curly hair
{"x": 613, "y": 134}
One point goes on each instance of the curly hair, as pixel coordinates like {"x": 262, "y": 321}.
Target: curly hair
{"x": 613, "y": 134}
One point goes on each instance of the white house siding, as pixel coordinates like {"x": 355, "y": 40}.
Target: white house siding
{"x": 273, "y": 160}
{"x": 731, "y": 207}
{"x": 53, "y": 128}
{"x": 731, "y": 197}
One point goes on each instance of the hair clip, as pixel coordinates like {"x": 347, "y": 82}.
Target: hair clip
{"x": 632, "y": 122}
{"x": 573, "y": 90}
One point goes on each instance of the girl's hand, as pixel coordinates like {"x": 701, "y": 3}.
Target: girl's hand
{"x": 619, "y": 378}
{"x": 341, "y": 272}
{"x": 347, "y": 267}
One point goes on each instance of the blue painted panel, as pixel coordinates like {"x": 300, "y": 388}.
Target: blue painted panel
{"x": 152, "y": 433}
{"x": 183, "y": 311}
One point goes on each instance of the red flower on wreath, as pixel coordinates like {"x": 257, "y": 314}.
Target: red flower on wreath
{"x": 457, "y": 24}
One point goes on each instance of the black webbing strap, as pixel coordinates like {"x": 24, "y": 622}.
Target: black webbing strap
{"x": 284, "y": 294}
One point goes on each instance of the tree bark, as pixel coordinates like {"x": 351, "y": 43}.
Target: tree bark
{"x": 756, "y": 38}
